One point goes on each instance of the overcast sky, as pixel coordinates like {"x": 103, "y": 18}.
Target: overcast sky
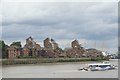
{"x": 93, "y": 24}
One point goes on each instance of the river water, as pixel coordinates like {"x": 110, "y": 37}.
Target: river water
{"x": 56, "y": 70}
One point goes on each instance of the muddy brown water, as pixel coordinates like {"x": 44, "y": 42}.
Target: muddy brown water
{"x": 56, "y": 70}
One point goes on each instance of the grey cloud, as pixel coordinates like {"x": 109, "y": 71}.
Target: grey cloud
{"x": 62, "y": 21}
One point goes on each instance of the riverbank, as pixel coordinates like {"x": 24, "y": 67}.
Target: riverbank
{"x": 45, "y": 60}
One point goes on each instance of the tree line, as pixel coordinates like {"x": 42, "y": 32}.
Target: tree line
{"x": 3, "y": 48}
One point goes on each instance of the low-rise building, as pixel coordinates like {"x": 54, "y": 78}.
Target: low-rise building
{"x": 31, "y": 48}
{"x": 52, "y": 50}
{"x": 13, "y": 52}
{"x": 93, "y": 53}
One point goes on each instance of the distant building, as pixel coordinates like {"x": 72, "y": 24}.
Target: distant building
{"x": 25, "y": 51}
{"x": 51, "y": 50}
{"x": 29, "y": 42}
{"x": 75, "y": 44}
{"x": 54, "y": 44}
{"x": 50, "y": 44}
{"x": 31, "y": 48}
{"x": 36, "y": 50}
{"x": 76, "y": 50}
{"x": 47, "y": 44}
{"x": 93, "y": 53}
{"x": 13, "y": 52}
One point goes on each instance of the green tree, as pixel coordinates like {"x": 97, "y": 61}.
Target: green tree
{"x": 118, "y": 55}
{"x": 0, "y": 48}
{"x": 17, "y": 44}
{"x": 0, "y": 45}
{"x": 3, "y": 49}
{"x": 119, "y": 52}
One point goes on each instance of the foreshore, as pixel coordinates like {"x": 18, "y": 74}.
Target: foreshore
{"x": 45, "y": 60}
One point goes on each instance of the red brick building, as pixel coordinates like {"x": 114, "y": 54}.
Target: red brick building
{"x": 51, "y": 50}
{"x": 13, "y": 52}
